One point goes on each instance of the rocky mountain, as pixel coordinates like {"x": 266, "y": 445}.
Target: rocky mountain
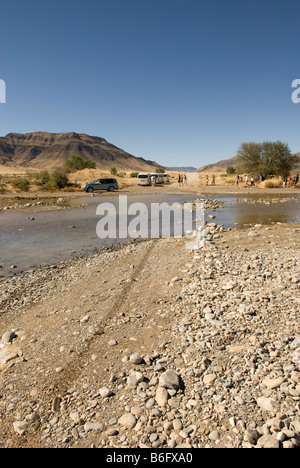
{"x": 182, "y": 169}
{"x": 219, "y": 166}
{"x": 42, "y": 150}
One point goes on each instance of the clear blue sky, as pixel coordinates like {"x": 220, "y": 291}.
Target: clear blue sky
{"x": 182, "y": 82}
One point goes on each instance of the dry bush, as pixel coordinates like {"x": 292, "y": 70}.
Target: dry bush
{"x": 271, "y": 183}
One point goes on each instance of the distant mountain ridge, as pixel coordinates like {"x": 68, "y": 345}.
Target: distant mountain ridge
{"x": 220, "y": 166}
{"x": 182, "y": 169}
{"x": 43, "y": 150}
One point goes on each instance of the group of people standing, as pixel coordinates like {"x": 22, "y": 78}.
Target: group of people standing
{"x": 288, "y": 181}
{"x": 182, "y": 180}
{"x": 240, "y": 179}
{"x": 213, "y": 180}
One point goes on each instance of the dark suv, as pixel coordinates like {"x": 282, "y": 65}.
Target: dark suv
{"x": 101, "y": 184}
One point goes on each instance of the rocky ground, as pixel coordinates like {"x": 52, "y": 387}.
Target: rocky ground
{"x": 38, "y": 202}
{"x": 154, "y": 345}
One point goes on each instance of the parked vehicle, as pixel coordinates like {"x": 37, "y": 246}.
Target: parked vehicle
{"x": 101, "y": 184}
{"x": 144, "y": 179}
{"x": 159, "y": 177}
{"x": 166, "y": 178}
{"x": 147, "y": 179}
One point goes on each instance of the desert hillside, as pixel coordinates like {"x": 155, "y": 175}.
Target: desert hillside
{"x": 48, "y": 150}
{"x": 219, "y": 166}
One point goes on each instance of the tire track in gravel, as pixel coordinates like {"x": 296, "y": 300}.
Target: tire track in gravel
{"x": 73, "y": 370}
{"x": 155, "y": 264}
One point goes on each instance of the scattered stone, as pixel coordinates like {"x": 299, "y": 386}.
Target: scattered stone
{"x": 112, "y": 431}
{"x": 177, "y": 425}
{"x": 112, "y": 343}
{"x": 90, "y": 426}
{"x": 273, "y": 383}
{"x": 56, "y": 404}
{"x": 267, "y": 404}
{"x": 21, "y": 427}
{"x": 8, "y": 336}
{"x": 209, "y": 379}
{"x": 251, "y": 436}
{"x": 85, "y": 319}
{"x": 219, "y": 359}
{"x": 162, "y": 396}
{"x": 169, "y": 379}
{"x": 135, "y": 358}
{"x": 128, "y": 421}
{"x": 268, "y": 442}
{"x": 105, "y": 392}
{"x": 215, "y": 435}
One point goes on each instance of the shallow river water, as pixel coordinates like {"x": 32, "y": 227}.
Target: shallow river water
{"x": 240, "y": 211}
{"x": 54, "y": 236}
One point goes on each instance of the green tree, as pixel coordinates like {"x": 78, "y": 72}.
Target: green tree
{"x": 113, "y": 171}
{"x": 277, "y": 159}
{"x": 267, "y": 158}
{"x": 249, "y": 156}
{"x": 230, "y": 170}
{"x": 75, "y": 163}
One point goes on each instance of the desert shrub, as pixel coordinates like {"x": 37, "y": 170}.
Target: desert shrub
{"x": 21, "y": 184}
{"x": 59, "y": 179}
{"x": 42, "y": 178}
{"x": 272, "y": 183}
{"x": 230, "y": 170}
{"x": 134, "y": 174}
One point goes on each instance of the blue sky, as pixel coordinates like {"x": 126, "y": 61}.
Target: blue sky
{"x": 181, "y": 82}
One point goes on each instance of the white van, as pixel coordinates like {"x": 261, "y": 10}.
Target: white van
{"x": 159, "y": 177}
{"x": 144, "y": 179}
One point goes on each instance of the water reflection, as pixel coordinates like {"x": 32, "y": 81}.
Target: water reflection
{"x": 239, "y": 211}
{"x": 56, "y": 235}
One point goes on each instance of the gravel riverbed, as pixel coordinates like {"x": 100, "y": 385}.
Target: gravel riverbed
{"x": 153, "y": 345}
